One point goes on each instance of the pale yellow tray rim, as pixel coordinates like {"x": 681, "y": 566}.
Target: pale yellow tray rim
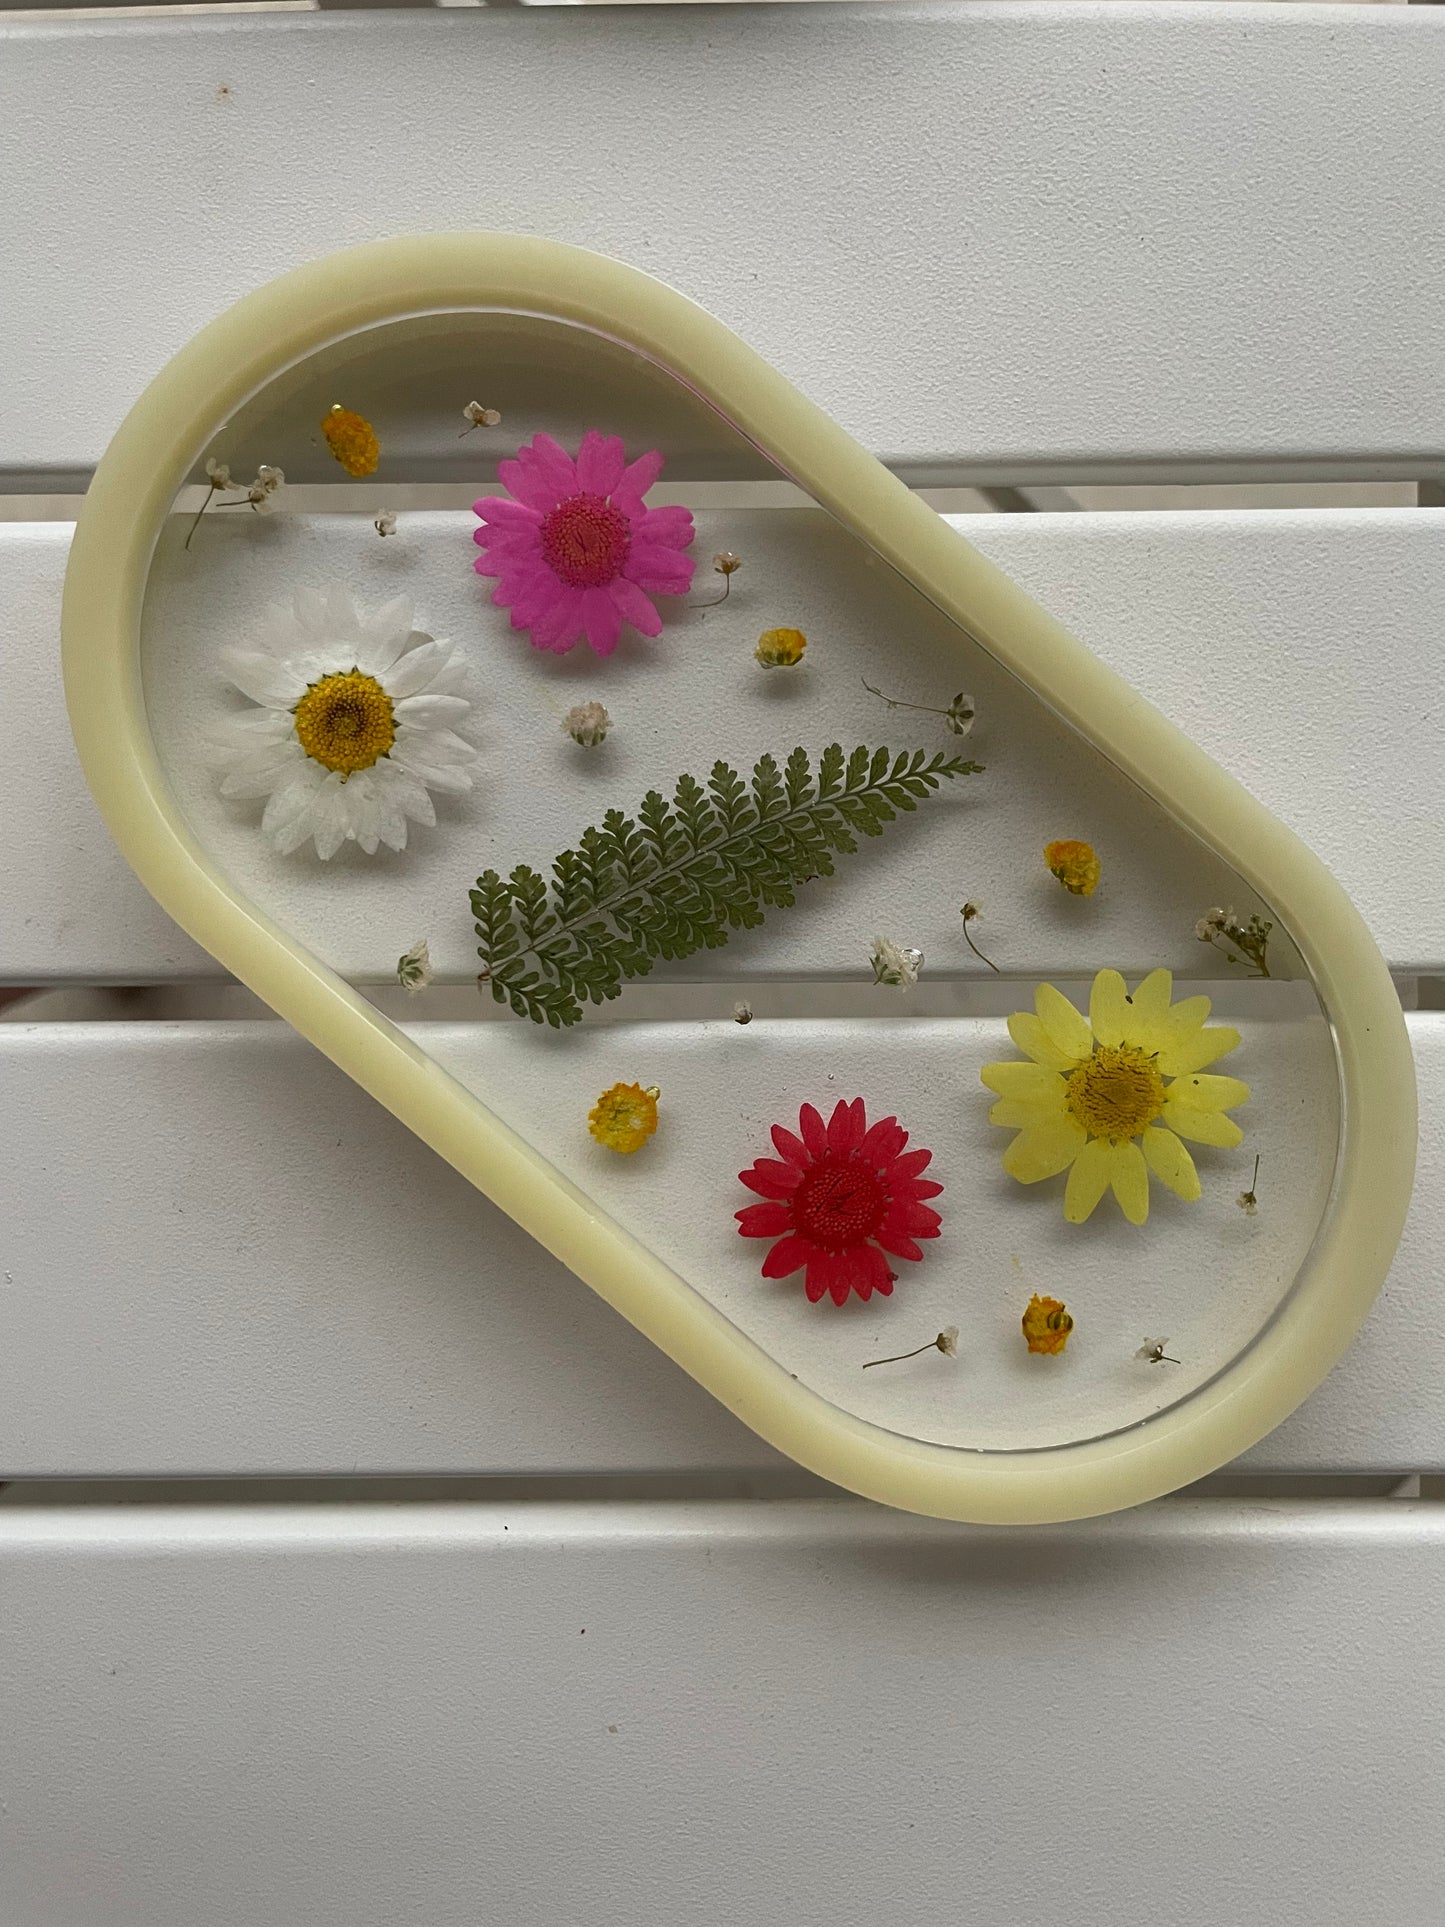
{"x": 156, "y": 448}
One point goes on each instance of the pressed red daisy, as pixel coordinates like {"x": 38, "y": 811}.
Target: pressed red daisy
{"x": 837, "y": 1198}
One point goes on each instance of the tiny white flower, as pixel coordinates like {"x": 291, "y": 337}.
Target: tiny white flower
{"x": 269, "y": 478}
{"x": 947, "y": 1341}
{"x": 219, "y": 474}
{"x": 742, "y": 1011}
{"x": 587, "y": 724}
{"x": 725, "y": 562}
{"x": 479, "y": 417}
{"x": 894, "y": 964}
{"x": 352, "y": 727}
{"x": 413, "y": 970}
{"x": 960, "y": 713}
{"x": 385, "y": 523}
{"x": 1153, "y": 1353}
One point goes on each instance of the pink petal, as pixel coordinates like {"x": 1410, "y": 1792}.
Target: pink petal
{"x": 662, "y": 571}
{"x": 789, "y": 1147}
{"x": 885, "y": 1140}
{"x": 667, "y": 528}
{"x": 600, "y": 462}
{"x": 635, "y": 607}
{"x": 601, "y": 620}
{"x": 637, "y": 478}
{"x": 895, "y": 1242}
{"x": 502, "y": 512}
{"x": 561, "y": 626}
{"x": 527, "y": 486}
{"x": 551, "y": 461}
{"x": 789, "y": 1255}
{"x": 815, "y": 1133}
{"x": 846, "y": 1126}
{"x": 763, "y": 1220}
{"x": 770, "y": 1179}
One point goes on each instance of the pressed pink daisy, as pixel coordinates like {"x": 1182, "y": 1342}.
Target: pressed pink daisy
{"x": 834, "y": 1196}
{"x": 575, "y": 550}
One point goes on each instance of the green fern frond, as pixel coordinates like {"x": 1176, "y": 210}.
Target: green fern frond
{"x": 683, "y": 875}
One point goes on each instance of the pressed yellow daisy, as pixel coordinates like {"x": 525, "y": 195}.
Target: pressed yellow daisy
{"x": 1110, "y": 1097}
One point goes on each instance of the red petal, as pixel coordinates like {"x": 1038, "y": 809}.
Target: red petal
{"x": 885, "y": 1140}
{"x": 815, "y": 1134}
{"x": 893, "y": 1240}
{"x": 909, "y": 1165}
{"x": 814, "y": 1285}
{"x": 870, "y": 1272}
{"x": 787, "y": 1256}
{"x": 916, "y": 1219}
{"x": 770, "y": 1179}
{"x": 847, "y": 1125}
{"x": 763, "y": 1220}
{"x": 915, "y": 1188}
{"x": 789, "y": 1147}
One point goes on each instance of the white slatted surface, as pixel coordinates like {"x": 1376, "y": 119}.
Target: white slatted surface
{"x": 1300, "y": 648}
{"x": 997, "y": 238}
{"x": 643, "y": 1716}
{"x": 220, "y": 1257}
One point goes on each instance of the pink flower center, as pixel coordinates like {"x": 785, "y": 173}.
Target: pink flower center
{"x": 839, "y": 1204}
{"x": 585, "y": 540}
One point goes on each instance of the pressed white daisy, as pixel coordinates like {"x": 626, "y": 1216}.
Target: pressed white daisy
{"x": 1110, "y": 1097}
{"x": 354, "y": 725}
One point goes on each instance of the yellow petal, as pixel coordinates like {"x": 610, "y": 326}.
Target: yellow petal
{"x": 1066, "y": 1027}
{"x": 1022, "y": 1080}
{"x": 1202, "y": 1127}
{"x": 1146, "y": 1020}
{"x": 1089, "y": 1179}
{"x": 1034, "y": 1041}
{"x": 1189, "y": 1013}
{"x": 1107, "y": 1008}
{"x": 1196, "y": 1049}
{"x": 1043, "y": 1150}
{"x": 1209, "y": 1093}
{"x": 1129, "y": 1176}
{"x": 1020, "y": 1113}
{"x": 1170, "y": 1162}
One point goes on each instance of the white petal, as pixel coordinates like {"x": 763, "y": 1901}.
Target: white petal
{"x": 416, "y": 671}
{"x": 261, "y": 677}
{"x": 294, "y": 800}
{"x": 440, "y": 745}
{"x": 430, "y": 711}
{"x": 310, "y": 612}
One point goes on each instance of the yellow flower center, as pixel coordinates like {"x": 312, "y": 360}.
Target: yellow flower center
{"x": 1116, "y": 1092}
{"x": 352, "y": 440}
{"x": 346, "y": 722}
{"x": 625, "y": 1117}
{"x": 780, "y": 648}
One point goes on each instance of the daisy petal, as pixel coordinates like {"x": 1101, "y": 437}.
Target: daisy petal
{"x": 910, "y": 1164}
{"x": 789, "y": 1255}
{"x": 600, "y": 463}
{"x": 1043, "y": 1150}
{"x": 1198, "y": 1048}
{"x": 635, "y": 607}
{"x": 1034, "y": 1041}
{"x": 845, "y": 1127}
{"x": 1209, "y": 1093}
{"x": 1024, "y": 1080}
{"x": 1147, "y": 1020}
{"x": 659, "y": 570}
{"x": 871, "y": 1273}
{"x": 1089, "y": 1179}
{"x": 601, "y": 620}
{"x": 263, "y": 678}
{"x": 898, "y": 1243}
{"x": 1067, "y": 1029}
{"x": 815, "y": 1132}
{"x": 1129, "y": 1176}
{"x": 1108, "y": 1012}
{"x": 1202, "y": 1127}
{"x": 789, "y": 1147}
{"x": 1170, "y": 1162}
{"x": 882, "y": 1141}
{"x": 764, "y": 1220}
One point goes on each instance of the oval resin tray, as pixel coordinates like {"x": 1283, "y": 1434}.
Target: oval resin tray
{"x": 677, "y": 825}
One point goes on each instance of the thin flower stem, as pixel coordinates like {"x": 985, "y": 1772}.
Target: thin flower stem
{"x": 897, "y": 1359}
{"x": 897, "y": 702}
{"x": 978, "y": 953}
{"x": 210, "y": 492}
{"x": 1254, "y": 1179}
{"x": 717, "y": 600}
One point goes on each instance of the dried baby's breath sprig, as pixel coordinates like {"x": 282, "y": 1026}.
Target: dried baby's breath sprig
{"x": 385, "y": 523}
{"x": 1153, "y": 1353}
{"x": 258, "y": 494}
{"x": 414, "y": 968}
{"x": 726, "y": 564}
{"x": 742, "y": 1011}
{"x": 895, "y": 964}
{"x": 475, "y": 416}
{"x": 1222, "y": 928}
{"x": 970, "y": 913}
{"x": 946, "y": 1342}
{"x": 1247, "y": 1201}
{"x": 587, "y": 724}
{"x": 958, "y": 715}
